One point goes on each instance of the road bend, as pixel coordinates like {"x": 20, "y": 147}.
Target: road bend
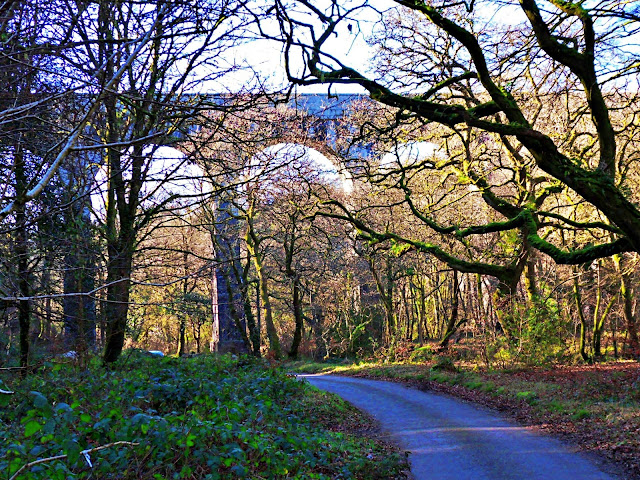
{"x": 451, "y": 440}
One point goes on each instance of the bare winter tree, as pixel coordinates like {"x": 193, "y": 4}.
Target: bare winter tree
{"x": 529, "y": 114}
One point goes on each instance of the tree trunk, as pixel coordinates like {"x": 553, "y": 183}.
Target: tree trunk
{"x": 583, "y": 324}
{"x": 24, "y": 305}
{"x": 408, "y": 312}
{"x": 530, "y": 280}
{"x": 626, "y": 292}
{"x": 417, "y": 294}
{"x": 598, "y": 327}
{"x": 272, "y": 334}
{"x": 254, "y": 329}
{"x": 252, "y": 325}
{"x": 253, "y": 245}
{"x": 117, "y": 304}
{"x": 299, "y": 319}
{"x": 317, "y": 325}
{"x": 263, "y": 286}
{"x": 385, "y": 290}
{"x": 182, "y": 338}
{"x": 21, "y": 250}
{"x": 215, "y": 317}
{"x": 452, "y": 322}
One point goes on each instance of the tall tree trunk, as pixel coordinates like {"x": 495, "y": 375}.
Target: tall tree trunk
{"x": 121, "y": 239}
{"x": 530, "y": 280}
{"x": 252, "y": 325}
{"x": 408, "y": 313}
{"x": 24, "y": 305}
{"x": 385, "y": 290}
{"x": 417, "y": 295}
{"x": 214, "y": 343}
{"x": 390, "y": 288}
{"x": 21, "y": 250}
{"x": 583, "y": 323}
{"x": 117, "y": 304}
{"x": 452, "y": 322}
{"x": 296, "y": 292}
{"x": 598, "y": 327}
{"x": 182, "y": 337}
{"x": 626, "y": 292}
{"x": 297, "y": 315}
{"x": 119, "y": 228}
{"x": 317, "y": 325}
{"x": 263, "y": 285}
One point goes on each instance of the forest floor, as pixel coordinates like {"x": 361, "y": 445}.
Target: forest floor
{"x": 595, "y": 407}
{"x": 202, "y": 418}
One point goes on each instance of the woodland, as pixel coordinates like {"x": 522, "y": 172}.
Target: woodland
{"x": 146, "y": 166}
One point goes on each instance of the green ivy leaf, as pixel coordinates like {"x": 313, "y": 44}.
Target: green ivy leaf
{"x": 72, "y": 450}
{"x": 63, "y": 407}
{"x": 39, "y": 400}
{"x": 31, "y": 427}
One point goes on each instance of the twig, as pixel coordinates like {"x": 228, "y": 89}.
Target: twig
{"x": 85, "y": 453}
{"x": 63, "y": 295}
{"x": 6, "y": 392}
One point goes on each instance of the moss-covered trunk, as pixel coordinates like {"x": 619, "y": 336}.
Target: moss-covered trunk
{"x": 452, "y": 322}
{"x": 627, "y": 293}
{"x": 253, "y": 244}
{"x": 582, "y": 348}
{"x": 117, "y": 304}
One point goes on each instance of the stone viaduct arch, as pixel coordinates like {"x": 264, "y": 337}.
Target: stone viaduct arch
{"x": 310, "y": 122}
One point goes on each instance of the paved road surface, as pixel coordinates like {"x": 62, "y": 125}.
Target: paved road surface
{"x": 451, "y": 440}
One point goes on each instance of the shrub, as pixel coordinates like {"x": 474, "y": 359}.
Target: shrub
{"x": 444, "y": 363}
{"x": 422, "y": 354}
{"x": 529, "y": 397}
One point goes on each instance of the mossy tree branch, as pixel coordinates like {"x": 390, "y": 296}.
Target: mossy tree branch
{"x": 595, "y": 187}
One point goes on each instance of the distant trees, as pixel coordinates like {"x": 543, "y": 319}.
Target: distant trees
{"x": 535, "y": 130}
{"x": 472, "y": 85}
{"x": 518, "y": 225}
{"x": 271, "y": 188}
{"x": 145, "y": 108}
{"x": 110, "y": 82}
{"x": 30, "y": 150}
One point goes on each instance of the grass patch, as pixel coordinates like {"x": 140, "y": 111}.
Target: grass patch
{"x": 529, "y": 397}
{"x": 581, "y": 414}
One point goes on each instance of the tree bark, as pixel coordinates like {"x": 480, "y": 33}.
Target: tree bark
{"x": 21, "y": 252}
{"x": 117, "y": 303}
{"x": 452, "y": 322}
{"x": 626, "y": 292}
{"x": 583, "y": 323}
{"x": 296, "y": 293}
{"x": 263, "y": 285}
{"x": 317, "y": 325}
{"x": 298, "y": 316}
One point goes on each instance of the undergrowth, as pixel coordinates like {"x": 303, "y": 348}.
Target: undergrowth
{"x": 167, "y": 418}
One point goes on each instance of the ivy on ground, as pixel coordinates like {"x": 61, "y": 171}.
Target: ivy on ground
{"x": 208, "y": 417}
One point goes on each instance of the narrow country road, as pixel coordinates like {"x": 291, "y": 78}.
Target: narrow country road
{"x": 451, "y": 440}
